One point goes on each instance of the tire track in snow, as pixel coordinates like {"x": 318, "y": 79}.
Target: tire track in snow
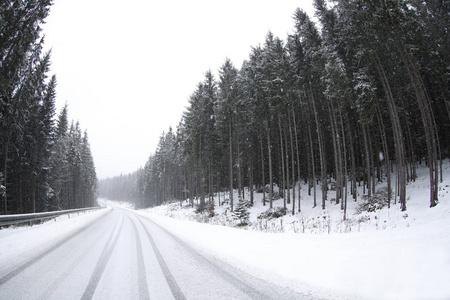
{"x": 48, "y": 292}
{"x": 142, "y": 275}
{"x": 174, "y": 288}
{"x": 242, "y": 286}
{"x": 244, "y": 282}
{"x": 49, "y": 250}
{"x": 103, "y": 261}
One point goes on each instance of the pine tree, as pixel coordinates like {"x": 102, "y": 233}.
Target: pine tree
{"x": 88, "y": 176}
{"x": 58, "y": 163}
{"x": 20, "y": 50}
{"x": 314, "y": 65}
{"x": 201, "y": 147}
{"x": 225, "y": 112}
{"x": 241, "y": 212}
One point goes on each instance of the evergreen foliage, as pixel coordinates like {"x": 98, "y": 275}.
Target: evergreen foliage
{"x": 319, "y": 107}
{"x": 43, "y": 165}
{"x": 241, "y": 212}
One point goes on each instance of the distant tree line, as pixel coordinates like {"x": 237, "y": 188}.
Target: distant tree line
{"x": 363, "y": 96}
{"x": 45, "y": 164}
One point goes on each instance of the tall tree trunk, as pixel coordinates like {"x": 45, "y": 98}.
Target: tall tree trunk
{"x": 210, "y": 183}
{"x": 5, "y": 173}
{"x": 344, "y": 173}
{"x": 426, "y": 114}
{"x": 352, "y": 158}
{"x": 298, "y": 160}
{"x": 323, "y": 168}
{"x": 269, "y": 153}
{"x": 230, "y": 174}
{"x": 341, "y": 155}
{"x": 239, "y": 173}
{"x": 202, "y": 178}
{"x": 334, "y": 136}
{"x": 385, "y": 156}
{"x": 371, "y": 157}
{"x": 263, "y": 171}
{"x": 292, "y": 163}
{"x": 250, "y": 175}
{"x": 21, "y": 208}
{"x": 367, "y": 159}
{"x": 313, "y": 166}
{"x": 283, "y": 180}
{"x": 286, "y": 150}
{"x": 398, "y": 134}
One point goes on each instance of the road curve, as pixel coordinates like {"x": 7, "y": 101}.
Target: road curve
{"x": 124, "y": 255}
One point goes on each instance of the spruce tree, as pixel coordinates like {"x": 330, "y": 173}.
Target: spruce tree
{"x": 241, "y": 212}
{"x": 20, "y": 50}
{"x": 58, "y": 163}
{"x": 225, "y": 112}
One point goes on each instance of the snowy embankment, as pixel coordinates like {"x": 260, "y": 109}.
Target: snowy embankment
{"x": 20, "y": 244}
{"x": 385, "y": 254}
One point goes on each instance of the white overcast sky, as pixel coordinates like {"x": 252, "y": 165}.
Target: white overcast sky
{"x": 127, "y": 68}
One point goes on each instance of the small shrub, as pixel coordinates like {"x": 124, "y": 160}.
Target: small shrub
{"x": 241, "y": 212}
{"x": 273, "y": 213}
{"x": 276, "y": 196}
{"x": 262, "y": 189}
{"x": 200, "y": 207}
{"x": 375, "y": 202}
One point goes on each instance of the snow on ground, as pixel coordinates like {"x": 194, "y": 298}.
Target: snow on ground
{"x": 25, "y": 242}
{"x": 122, "y": 204}
{"x": 385, "y": 254}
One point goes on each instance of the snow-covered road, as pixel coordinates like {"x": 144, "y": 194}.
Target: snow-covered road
{"x": 118, "y": 254}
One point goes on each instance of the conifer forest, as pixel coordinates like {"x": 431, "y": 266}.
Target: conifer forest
{"x": 357, "y": 97}
{"x": 314, "y": 165}
{"x": 45, "y": 162}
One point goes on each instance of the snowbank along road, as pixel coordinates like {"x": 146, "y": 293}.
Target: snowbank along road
{"x": 122, "y": 255}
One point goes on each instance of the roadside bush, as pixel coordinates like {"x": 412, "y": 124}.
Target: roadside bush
{"x": 375, "y": 202}
{"x": 273, "y": 213}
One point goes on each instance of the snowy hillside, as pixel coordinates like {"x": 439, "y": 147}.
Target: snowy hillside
{"x": 384, "y": 254}
{"x": 315, "y": 220}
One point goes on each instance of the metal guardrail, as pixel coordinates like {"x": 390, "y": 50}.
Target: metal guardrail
{"x": 8, "y": 220}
